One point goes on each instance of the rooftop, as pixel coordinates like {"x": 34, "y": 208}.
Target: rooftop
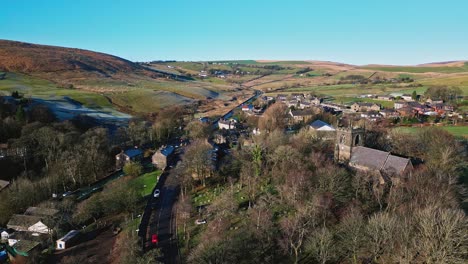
{"x": 23, "y": 220}
{"x": 37, "y": 211}
{"x": 319, "y": 123}
{"x": 167, "y": 150}
{"x": 133, "y": 152}
{"x": 378, "y": 160}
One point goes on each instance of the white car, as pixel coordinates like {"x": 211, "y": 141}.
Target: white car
{"x": 156, "y": 193}
{"x": 200, "y": 221}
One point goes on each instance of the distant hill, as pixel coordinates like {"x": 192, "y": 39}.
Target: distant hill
{"x": 59, "y": 63}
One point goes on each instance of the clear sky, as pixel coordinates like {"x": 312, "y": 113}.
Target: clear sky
{"x": 350, "y": 31}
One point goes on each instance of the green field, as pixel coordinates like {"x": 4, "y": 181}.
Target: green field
{"x": 458, "y": 131}
{"x": 415, "y": 69}
{"x": 30, "y": 86}
{"x": 146, "y": 182}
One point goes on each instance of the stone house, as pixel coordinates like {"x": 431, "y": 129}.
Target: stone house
{"x": 363, "y": 107}
{"x": 127, "y": 156}
{"x": 161, "y": 158}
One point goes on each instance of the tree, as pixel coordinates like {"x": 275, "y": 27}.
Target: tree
{"x": 320, "y": 245}
{"x": 442, "y": 235}
{"x": 132, "y": 169}
{"x": 198, "y": 160}
{"x": 295, "y": 229}
{"x": 197, "y": 130}
{"x": 414, "y": 96}
{"x": 184, "y": 211}
{"x": 274, "y": 118}
{"x": 380, "y": 235}
{"x": 20, "y": 114}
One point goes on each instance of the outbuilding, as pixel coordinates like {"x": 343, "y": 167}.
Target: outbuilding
{"x": 68, "y": 240}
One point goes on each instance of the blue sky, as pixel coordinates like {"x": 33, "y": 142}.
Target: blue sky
{"x": 357, "y": 32}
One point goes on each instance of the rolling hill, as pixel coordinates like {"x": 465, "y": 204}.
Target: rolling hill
{"x": 59, "y": 62}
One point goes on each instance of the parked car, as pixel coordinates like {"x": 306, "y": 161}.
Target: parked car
{"x": 200, "y": 221}
{"x": 154, "y": 239}
{"x": 156, "y": 193}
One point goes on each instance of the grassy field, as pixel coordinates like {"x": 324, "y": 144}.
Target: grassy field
{"x": 146, "y": 182}
{"x": 415, "y": 69}
{"x": 30, "y": 86}
{"x": 458, "y": 131}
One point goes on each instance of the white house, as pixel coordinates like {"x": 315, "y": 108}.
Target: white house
{"x": 67, "y": 240}
{"x": 40, "y": 228}
{"x": 4, "y": 235}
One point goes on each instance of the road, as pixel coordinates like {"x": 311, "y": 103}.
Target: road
{"x": 160, "y": 217}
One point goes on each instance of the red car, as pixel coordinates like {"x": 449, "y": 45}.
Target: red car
{"x": 154, "y": 239}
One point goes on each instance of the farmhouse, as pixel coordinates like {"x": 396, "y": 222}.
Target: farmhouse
{"x": 301, "y": 115}
{"x": 363, "y": 107}
{"x": 28, "y": 223}
{"x": 386, "y": 97}
{"x": 407, "y": 97}
{"x": 400, "y": 104}
{"x": 126, "y": 156}
{"x": 432, "y": 101}
{"x": 389, "y": 113}
{"x": 161, "y": 158}
{"x": 226, "y": 124}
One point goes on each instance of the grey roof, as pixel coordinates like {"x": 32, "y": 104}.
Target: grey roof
{"x": 319, "y": 123}
{"x": 367, "y": 157}
{"x": 301, "y": 113}
{"x": 4, "y": 184}
{"x": 395, "y": 164}
{"x": 378, "y": 160}
{"x": 37, "y": 211}
{"x": 167, "y": 150}
{"x": 23, "y": 221}
{"x": 69, "y": 235}
{"x": 133, "y": 152}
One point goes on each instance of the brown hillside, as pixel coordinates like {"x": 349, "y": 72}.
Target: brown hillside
{"x": 60, "y": 62}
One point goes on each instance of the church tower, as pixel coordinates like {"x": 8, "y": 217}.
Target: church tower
{"x": 346, "y": 139}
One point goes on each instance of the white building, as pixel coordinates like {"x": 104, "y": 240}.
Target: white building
{"x": 67, "y": 240}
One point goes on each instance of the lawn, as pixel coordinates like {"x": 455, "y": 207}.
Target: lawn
{"x": 458, "y": 131}
{"x": 31, "y": 86}
{"x": 146, "y": 182}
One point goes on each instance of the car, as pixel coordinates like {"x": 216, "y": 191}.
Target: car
{"x": 154, "y": 239}
{"x": 65, "y": 194}
{"x": 200, "y": 221}
{"x": 156, "y": 193}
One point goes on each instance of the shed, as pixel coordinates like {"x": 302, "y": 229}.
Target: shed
{"x": 68, "y": 240}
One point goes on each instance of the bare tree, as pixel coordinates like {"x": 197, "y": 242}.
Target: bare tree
{"x": 275, "y": 117}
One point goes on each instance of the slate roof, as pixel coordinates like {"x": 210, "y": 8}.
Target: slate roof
{"x": 395, "y": 164}
{"x": 319, "y": 123}
{"x": 167, "y": 150}
{"x": 378, "y": 160}
{"x": 4, "y": 184}
{"x": 133, "y": 152}
{"x": 301, "y": 113}
{"x": 23, "y": 220}
{"x": 37, "y": 211}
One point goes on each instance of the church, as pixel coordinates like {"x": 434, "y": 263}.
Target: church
{"x": 349, "y": 149}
